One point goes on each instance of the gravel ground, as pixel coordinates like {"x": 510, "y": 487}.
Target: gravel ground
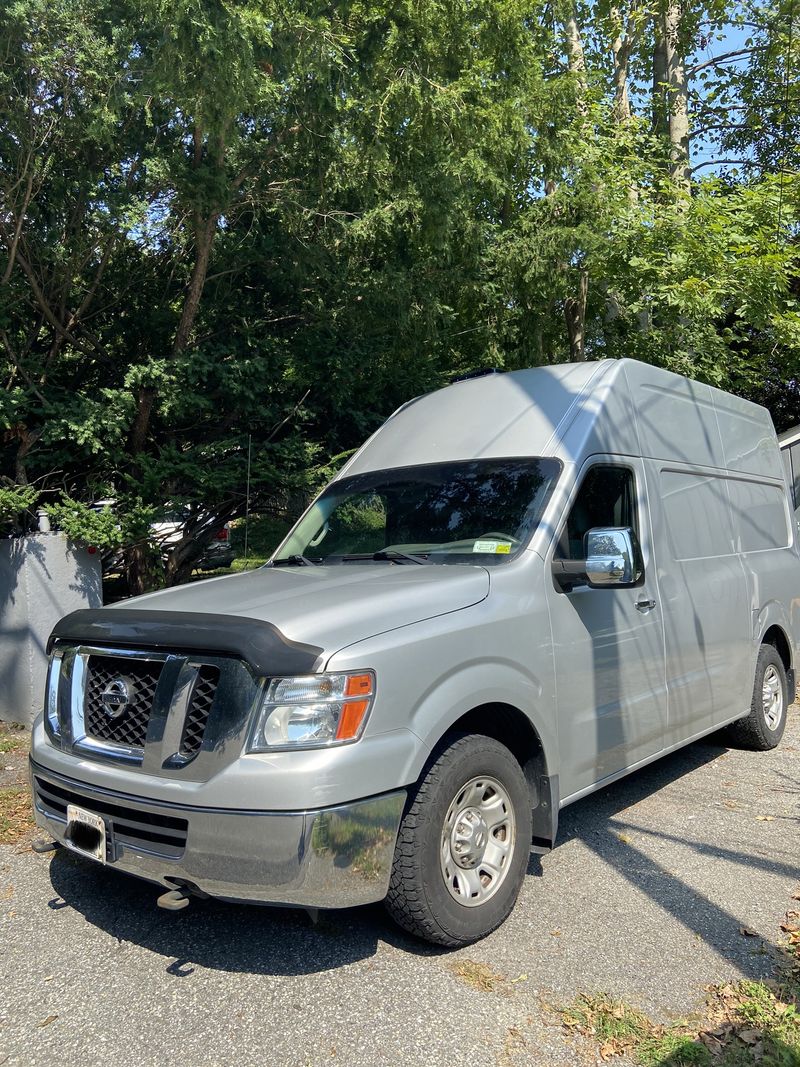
{"x": 673, "y": 879}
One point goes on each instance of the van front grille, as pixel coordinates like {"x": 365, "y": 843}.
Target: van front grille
{"x": 159, "y": 834}
{"x": 199, "y": 710}
{"x": 122, "y": 678}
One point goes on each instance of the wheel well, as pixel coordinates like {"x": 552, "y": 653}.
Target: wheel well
{"x": 512, "y": 728}
{"x": 775, "y": 636}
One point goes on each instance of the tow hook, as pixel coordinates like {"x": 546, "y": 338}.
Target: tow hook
{"x": 174, "y": 899}
{"x": 40, "y": 846}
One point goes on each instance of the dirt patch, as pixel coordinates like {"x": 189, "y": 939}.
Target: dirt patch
{"x": 15, "y": 744}
{"x": 479, "y": 976}
{"x": 16, "y": 818}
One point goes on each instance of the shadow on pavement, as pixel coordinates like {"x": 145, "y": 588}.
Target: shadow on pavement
{"x": 213, "y": 934}
{"x": 283, "y": 941}
{"x": 594, "y": 822}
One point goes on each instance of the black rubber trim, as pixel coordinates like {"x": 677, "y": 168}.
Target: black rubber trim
{"x": 260, "y": 644}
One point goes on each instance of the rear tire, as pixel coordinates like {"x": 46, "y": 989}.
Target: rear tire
{"x": 763, "y": 728}
{"x": 463, "y": 845}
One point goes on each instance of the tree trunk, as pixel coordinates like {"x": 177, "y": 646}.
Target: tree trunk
{"x": 204, "y": 239}
{"x": 576, "y": 59}
{"x": 659, "y": 101}
{"x": 143, "y": 569}
{"x": 27, "y": 439}
{"x": 621, "y": 52}
{"x": 678, "y": 88}
{"x": 144, "y": 409}
{"x": 575, "y": 318}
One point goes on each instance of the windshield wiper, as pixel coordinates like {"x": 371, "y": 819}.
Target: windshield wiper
{"x": 391, "y": 555}
{"x": 295, "y": 561}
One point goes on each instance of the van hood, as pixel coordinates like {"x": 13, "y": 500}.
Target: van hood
{"x": 328, "y": 607}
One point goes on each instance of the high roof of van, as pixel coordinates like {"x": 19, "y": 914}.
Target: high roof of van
{"x": 574, "y": 410}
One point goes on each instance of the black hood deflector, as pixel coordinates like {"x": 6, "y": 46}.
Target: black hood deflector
{"x": 269, "y": 652}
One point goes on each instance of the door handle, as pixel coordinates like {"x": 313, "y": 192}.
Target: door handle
{"x": 645, "y": 605}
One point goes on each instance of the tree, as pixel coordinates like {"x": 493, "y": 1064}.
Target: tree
{"x": 244, "y": 254}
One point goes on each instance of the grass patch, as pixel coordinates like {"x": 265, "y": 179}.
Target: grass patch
{"x": 16, "y": 816}
{"x": 620, "y": 1029}
{"x": 264, "y": 534}
{"x": 13, "y": 738}
{"x": 248, "y": 564}
{"x": 479, "y": 976}
{"x": 745, "y": 1023}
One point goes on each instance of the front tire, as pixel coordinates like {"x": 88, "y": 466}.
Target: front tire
{"x": 763, "y": 728}
{"x": 463, "y": 845}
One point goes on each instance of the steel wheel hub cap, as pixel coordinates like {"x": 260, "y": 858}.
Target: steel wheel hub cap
{"x": 772, "y": 698}
{"x": 468, "y": 838}
{"x": 477, "y": 841}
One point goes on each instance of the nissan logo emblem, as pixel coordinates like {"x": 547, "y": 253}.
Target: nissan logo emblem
{"x": 115, "y": 698}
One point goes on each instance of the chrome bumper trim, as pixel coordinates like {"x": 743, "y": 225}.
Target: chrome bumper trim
{"x": 327, "y": 858}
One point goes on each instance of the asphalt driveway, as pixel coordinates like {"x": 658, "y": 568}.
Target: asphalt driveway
{"x": 673, "y": 879}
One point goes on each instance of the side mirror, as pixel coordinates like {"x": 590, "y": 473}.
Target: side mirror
{"x": 613, "y": 557}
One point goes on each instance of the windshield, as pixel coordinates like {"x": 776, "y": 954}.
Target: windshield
{"x": 476, "y": 511}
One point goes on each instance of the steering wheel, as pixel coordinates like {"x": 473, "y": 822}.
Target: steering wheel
{"x": 495, "y": 536}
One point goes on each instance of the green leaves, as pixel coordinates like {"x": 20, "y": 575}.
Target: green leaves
{"x": 13, "y": 502}
{"x": 234, "y": 227}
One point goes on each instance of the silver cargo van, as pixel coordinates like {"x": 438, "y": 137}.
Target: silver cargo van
{"x": 521, "y": 588}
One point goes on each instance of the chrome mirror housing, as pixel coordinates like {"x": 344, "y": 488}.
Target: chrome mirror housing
{"x": 612, "y": 556}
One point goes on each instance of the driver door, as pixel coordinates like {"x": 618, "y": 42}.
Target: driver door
{"x": 608, "y": 643}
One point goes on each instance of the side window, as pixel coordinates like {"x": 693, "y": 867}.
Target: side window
{"x": 607, "y": 497}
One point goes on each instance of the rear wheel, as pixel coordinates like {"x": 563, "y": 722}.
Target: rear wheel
{"x": 763, "y": 728}
{"x": 463, "y": 845}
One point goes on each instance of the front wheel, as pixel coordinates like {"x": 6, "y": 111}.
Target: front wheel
{"x": 463, "y": 845}
{"x": 763, "y": 728}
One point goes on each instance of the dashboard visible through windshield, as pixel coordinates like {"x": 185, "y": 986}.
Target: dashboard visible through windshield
{"x": 472, "y": 511}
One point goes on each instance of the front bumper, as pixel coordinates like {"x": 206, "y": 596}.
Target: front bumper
{"x": 327, "y": 858}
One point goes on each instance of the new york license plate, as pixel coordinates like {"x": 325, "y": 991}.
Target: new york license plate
{"x": 86, "y": 833}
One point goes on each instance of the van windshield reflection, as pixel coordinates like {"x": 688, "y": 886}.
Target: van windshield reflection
{"x": 471, "y": 511}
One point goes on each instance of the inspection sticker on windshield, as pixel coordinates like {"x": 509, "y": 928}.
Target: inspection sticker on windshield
{"x": 497, "y": 547}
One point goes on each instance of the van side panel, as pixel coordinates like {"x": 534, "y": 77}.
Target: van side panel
{"x": 604, "y": 422}
{"x": 768, "y": 551}
{"x": 748, "y": 437}
{"x": 688, "y": 422}
{"x": 704, "y": 598}
{"x": 676, "y": 417}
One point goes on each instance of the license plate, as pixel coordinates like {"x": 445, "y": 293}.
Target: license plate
{"x": 86, "y": 833}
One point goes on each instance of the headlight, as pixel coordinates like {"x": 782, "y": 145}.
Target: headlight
{"x": 313, "y": 711}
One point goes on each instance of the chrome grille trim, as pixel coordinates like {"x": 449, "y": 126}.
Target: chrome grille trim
{"x": 199, "y": 704}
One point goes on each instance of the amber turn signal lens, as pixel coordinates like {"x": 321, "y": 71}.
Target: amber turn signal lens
{"x": 350, "y": 720}
{"x": 358, "y": 685}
